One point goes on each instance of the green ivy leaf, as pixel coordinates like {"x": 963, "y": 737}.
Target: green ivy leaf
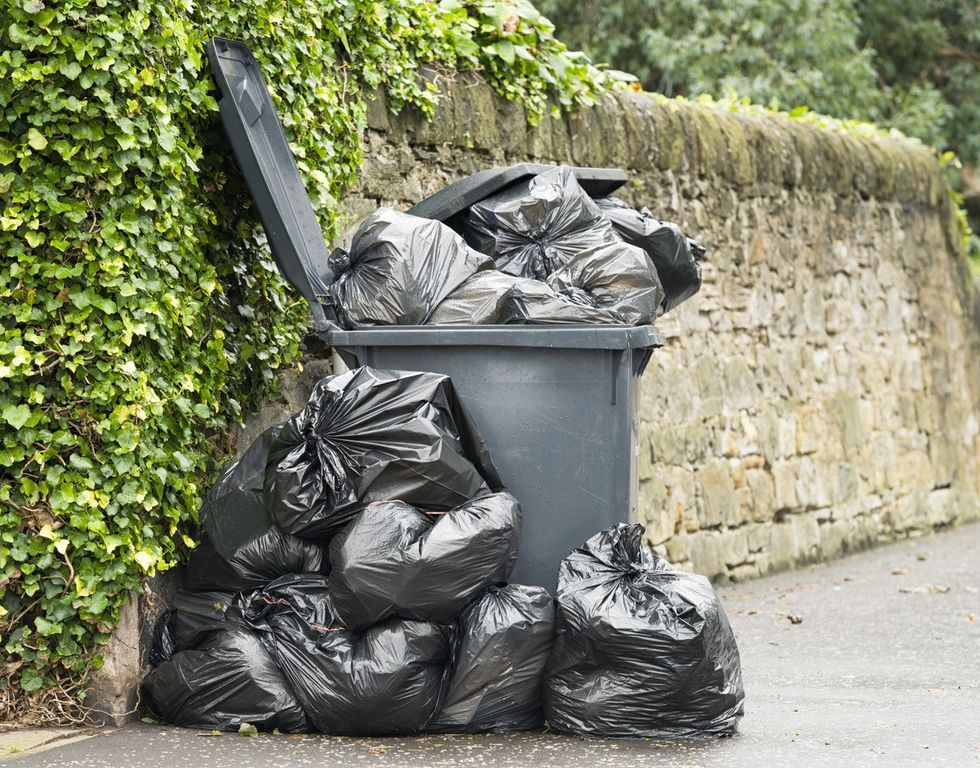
{"x": 36, "y": 139}
{"x": 16, "y": 415}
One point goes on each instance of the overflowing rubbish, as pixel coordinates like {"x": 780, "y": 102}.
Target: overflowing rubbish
{"x": 352, "y": 576}
{"x": 539, "y": 252}
{"x": 641, "y": 649}
{"x": 387, "y": 472}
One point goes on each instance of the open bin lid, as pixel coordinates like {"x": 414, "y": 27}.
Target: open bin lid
{"x": 266, "y": 161}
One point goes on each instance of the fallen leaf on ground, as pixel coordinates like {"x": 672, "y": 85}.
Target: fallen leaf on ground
{"x": 899, "y": 571}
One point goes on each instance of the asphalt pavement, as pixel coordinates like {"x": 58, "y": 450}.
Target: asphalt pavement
{"x": 872, "y": 660}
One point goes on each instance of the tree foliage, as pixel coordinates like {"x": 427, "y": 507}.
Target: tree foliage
{"x": 908, "y": 64}
{"x": 141, "y": 311}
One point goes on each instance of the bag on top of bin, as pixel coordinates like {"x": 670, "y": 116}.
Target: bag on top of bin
{"x": 387, "y": 680}
{"x": 674, "y": 255}
{"x": 242, "y": 548}
{"x": 641, "y": 649}
{"x": 229, "y": 679}
{"x": 395, "y": 560}
{"x": 617, "y": 277}
{"x": 532, "y": 229}
{"x": 496, "y": 298}
{"x": 503, "y": 643}
{"x": 371, "y": 435}
{"x": 398, "y": 269}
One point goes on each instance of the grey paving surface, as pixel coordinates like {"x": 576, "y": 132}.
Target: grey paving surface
{"x": 883, "y": 670}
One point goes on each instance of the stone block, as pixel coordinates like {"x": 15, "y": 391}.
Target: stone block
{"x": 784, "y": 485}
{"x": 734, "y": 547}
{"x": 717, "y": 493}
{"x": 111, "y": 698}
{"x": 704, "y": 553}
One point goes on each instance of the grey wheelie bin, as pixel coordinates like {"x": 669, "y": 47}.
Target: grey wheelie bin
{"x": 555, "y": 404}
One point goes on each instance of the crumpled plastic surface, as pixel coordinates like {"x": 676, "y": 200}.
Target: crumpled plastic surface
{"x": 532, "y": 229}
{"x": 387, "y": 680}
{"x": 504, "y": 642}
{"x": 641, "y": 650}
{"x": 229, "y": 679}
{"x": 193, "y": 617}
{"x": 372, "y": 435}
{"x": 496, "y": 298}
{"x": 242, "y": 549}
{"x": 674, "y": 255}
{"x": 398, "y": 269}
{"x": 395, "y": 560}
{"x": 617, "y": 277}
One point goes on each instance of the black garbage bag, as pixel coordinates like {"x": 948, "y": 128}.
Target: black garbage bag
{"x": 504, "y": 641}
{"x": 641, "y": 649}
{"x": 304, "y": 596}
{"x": 395, "y": 560}
{"x": 398, "y": 269}
{"x": 532, "y": 229}
{"x": 617, "y": 277}
{"x": 385, "y": 681}
{"x": 195, "y": 616}
{"x": 162, "y": 647}
{"x": 230, "y": 679}
{"x": 242, "y": 548}
{"x": 496, "y": 298}
{"x": 674, "y": 255}
{"x": 372, "y": 435}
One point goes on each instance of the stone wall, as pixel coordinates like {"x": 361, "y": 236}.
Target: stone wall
{"x": 821, "y": 393}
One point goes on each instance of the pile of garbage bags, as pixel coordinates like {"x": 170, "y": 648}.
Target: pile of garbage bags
{"x": 352, "y": 580}
{"x": 352, "y": 577}
{"x": 539, "y": 252}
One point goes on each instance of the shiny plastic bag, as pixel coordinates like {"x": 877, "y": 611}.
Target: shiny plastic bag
{"x": 305, "y": 596}
{"x": 674, "y": 255}
{"x": 228, "y": 680}
{"x": 618, "y": 278}
{"x": 242, "y": 549}
{"x": 496, "y": 298}
{"x": 398, "y": 269}
{"x": 504, "y": 641}
{"x": 641, "y": 649}
{"x": 387, "y": 680}
{"x": 395, "y": 560}
{"x": 373, "y": 435}
{"x": 532, "y": 229}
